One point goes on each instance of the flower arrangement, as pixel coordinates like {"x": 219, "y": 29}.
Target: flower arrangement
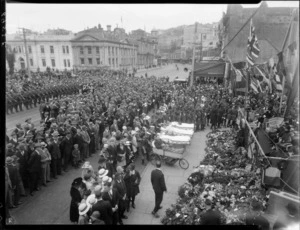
{"x": 226, "y": 177}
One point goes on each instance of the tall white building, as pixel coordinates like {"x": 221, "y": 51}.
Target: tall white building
{"x": 54, "y": 51}
{"x": 207, "y": 33}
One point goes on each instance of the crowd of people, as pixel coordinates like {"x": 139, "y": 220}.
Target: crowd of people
{"x": 117, "y": 115}
{"x": 106, "y": 116}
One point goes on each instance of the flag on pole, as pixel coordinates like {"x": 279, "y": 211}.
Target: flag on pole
{"x": 252, "y": 46}
{"x": 254, "y": 84}
{"x": 293, "y": 56}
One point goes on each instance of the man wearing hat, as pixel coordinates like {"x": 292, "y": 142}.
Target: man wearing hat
{"x": 55, "y": 153}
{"x": 22, "y": 154}
{"x": 83, "y": 210}
{"x": 18, "y": 129}
{"x": 66, "y": 147}
{"x": 34, "y": 168}
{"x": 10, "y": 151}
{"x": 13, "y": 140}
{"x": 29, "y": 123}
{"x": 45, "y": 164}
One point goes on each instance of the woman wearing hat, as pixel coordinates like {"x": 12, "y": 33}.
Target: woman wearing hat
{"x": 76, "y": 199}
{"x": 132, "y": 180}
{"x": 101, "y": 174}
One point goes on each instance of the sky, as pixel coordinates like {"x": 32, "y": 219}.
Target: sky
{"x": 76, "y": 17}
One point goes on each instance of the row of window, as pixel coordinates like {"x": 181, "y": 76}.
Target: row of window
{"x": 111, "y": 61}
{"x": 66, "y": 62}
{"x": 65, "y": 49}
{"x": 111, "y": 50}
{"x": 90, "y": 61}
{"x": 19, "y": 49}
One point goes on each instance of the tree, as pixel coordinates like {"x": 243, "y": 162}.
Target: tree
{"x": 10, "y": 57}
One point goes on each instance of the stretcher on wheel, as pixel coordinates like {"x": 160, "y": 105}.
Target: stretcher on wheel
{"x": 172, "y": 131}
{"x": 175, "y": 140}
{"x": 169, "y": 155}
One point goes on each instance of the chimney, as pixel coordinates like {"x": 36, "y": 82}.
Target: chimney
{"x": 99, "y": 26}
{"x": 108, "y": 28}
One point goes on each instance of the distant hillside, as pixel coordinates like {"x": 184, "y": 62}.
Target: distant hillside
{"x": 176, "y": 31}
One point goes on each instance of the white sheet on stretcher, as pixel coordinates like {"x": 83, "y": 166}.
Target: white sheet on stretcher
{"x": 179, "y": 132}
{"x": 185, "y": 126}
{"x": 175, "y": 139}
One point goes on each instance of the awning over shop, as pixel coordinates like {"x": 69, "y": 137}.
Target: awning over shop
{"x": 210, "y": 69}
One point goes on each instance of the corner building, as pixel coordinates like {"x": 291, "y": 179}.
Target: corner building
{"x": 94, "y": 48}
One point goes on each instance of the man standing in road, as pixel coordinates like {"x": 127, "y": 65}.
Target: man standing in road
{"x": 159, "y": 187}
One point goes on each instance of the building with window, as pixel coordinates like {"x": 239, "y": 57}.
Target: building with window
{"x": 147, "y": 46}
{"x": 44, "y": 51}
{"x": 94, "y": 48}
{"x": 271, "y": 25}
{"x": 207, "y": 34}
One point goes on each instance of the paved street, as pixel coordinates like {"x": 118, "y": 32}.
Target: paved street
{"x": 169, "y": 70}
{"x": 174, "y": 177}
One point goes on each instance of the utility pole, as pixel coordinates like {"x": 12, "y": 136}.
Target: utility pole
{"x": 193, "y": 60}
{"x": 26, "y": 52}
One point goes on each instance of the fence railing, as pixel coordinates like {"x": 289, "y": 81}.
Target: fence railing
{"x": 254, "y": 149}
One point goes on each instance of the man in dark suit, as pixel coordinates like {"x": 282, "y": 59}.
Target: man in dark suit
{"x": 104, "y": 207}
{"x": 119, "y": 185}
{"x": 112, "y": 195}
{"x": 159, "y": 187}
{"x": 66, "y": 149}
{"x": 77, "y": 139}
{"x": 34, "y": 168}
{"x": 54, "y": 150}
{"x": 22, "y": 154}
